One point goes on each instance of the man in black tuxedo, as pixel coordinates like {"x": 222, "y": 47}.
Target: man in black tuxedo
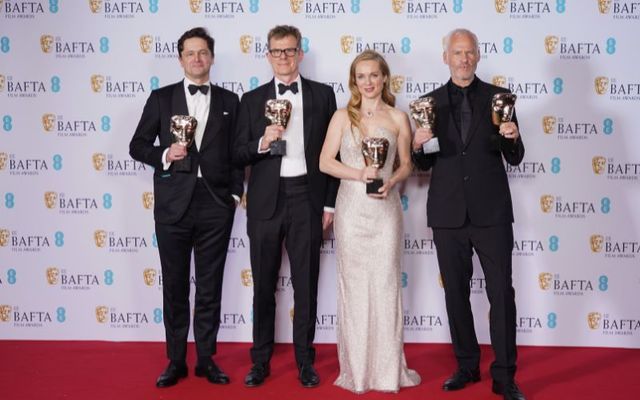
{"x": 469, "y": 208}
{"x": 288, "y": 200}
{"x": 196, "y": 189}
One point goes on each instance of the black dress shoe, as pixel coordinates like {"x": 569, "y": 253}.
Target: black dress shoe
{"x": 171, "y": 375}
{"x": 212, "y": 373}
{"x": 460, "y": 378}
{"x": 509, "y": 390}
{"x": 257, "y": 374}
{"x": 308, "y": 376}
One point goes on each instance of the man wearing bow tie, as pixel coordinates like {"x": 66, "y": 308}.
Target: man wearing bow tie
{"x": 196, "y": 189}
{"x": 288, "y": 200}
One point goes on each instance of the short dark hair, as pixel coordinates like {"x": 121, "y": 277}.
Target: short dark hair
{"x": 280, "y": 31}
{"x": 198, "y": 32}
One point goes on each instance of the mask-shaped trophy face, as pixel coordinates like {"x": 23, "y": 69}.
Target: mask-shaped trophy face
{"x": 183, "y": 129}
{"x": 596, "y": 242}
{"x": 98, "y": 161}
{"x": 550, "y": 44}
{"x": 546, "y": 203}
{"x": 423, "y": 112}
{"x": 5, "y": 312}
{"x": 601, "y": 83}
{"x": 95, "y": 5}
{"x": 196, "y": 5}
{"x": 296, "y": 6}
{"x": 96, "y": 83}
{"x": 502, "y": 106}
{"x": 4, "y": 237}
{"x": 100, "y": 238}
{"x": 101, "y": 314}
{"x": 145, "y": 43}
{"x": 149, "y": 275}
{"x": 397, "y": 5}
{"x": 45, "y": 43}
{"x": 604, "y": 6}
{"x": 346, "y": 43}
{"x": 598, "y": 164}
{"x": 50, "y": 199}
{"x": 501, "y": 6}
{"x": 548, "y": 124}
{"x": 2, "y": 83}
{"x": 278, "y": 111}
{"x": 499, "y": 80}
{"x": 593, "y": 319}
{"x": 48, "y": 121}
{"x": 246, "y": 277}
{"x": 374, "y": 150}
{"x": 147, "y": 200}
{"x": 245, "y": 43}
{"x": 3, "y": 160}
{"x": 396, "y": 83}
{"x": 544, "y": 279}
{"x": 52, "y": 275}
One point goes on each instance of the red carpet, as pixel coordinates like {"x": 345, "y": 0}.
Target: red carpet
{"x": 106, "y": 370}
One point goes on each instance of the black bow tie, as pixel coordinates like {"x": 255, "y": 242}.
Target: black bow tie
{"x": 194, "y": 88}
{"x": 282, "y": 88}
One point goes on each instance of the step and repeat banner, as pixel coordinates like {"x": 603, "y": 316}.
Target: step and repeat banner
{"x": 78, "y": 256}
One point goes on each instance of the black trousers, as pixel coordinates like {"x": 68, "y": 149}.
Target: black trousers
{"x": 295, "y": 224}
{"x": 494, "y": 245}
{"x": 205, "y": 229}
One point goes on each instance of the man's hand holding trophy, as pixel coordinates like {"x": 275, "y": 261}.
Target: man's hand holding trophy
{"x": 183, "y": 129}
{"x": 278, "y": 111}
{"x": 502, "y": 107}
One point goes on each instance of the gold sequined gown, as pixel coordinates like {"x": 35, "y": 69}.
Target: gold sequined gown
{"x": 369, "y": 234}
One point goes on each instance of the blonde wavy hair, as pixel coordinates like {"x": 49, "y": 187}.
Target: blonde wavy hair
{"x": 355, "y": 102}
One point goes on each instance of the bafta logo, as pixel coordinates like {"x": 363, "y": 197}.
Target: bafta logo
{"x": 501, "y": 6}
{"x": 50, "y": 199}
{"x": 101, "y": 314}
{"x": 499, "y": 80}
{"x": 245, "y": 43}
{"x": 291, "y": 314}
{"x": 440, "y": 281}
{"x": 601, "y": 84}
{"x": 596, "y": 241}
{"x": 145, "y": 43}
{"x": 46, "y": 42}
{"x": 96, "y": 83}
{"x": 346, "y": 43}
{"x": 149, "y": 275}
{"x": 2, "y": 79}
{"x": 546, "y": 203}
{"x": 100, "y": 237}
{"x": 397, "y": 6}
{"x": 98, "y": 161}
{"x": 598, "y": 164}
{"x": 3, "y": 160}
{"x": 48, "y": 121}
{"x": 246, "y": 277}
{"x": 551, "y": 44}
{"x": 95, "y": 5}
{"x": 548, "y": 124}
{"x": 296, "y": 6}
{"x": 593, "y": 319}
{"x": 604, "y": 6}
{"x": 5, "y": 312}
{"x": 544, "y": 279}
{"x": 4, "y": 237}
{"x": 396, "y": 83}
{"x": 195, "y": 5}
{"x": 147, "y": 200}
{"x": 52, "y": 275}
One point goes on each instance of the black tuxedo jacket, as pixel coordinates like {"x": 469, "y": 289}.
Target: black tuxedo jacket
{"x": 173, "y": 190}
{"x": 469, "y": 178}
{"x": 319, "y": 104}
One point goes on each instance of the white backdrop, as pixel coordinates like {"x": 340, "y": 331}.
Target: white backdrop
{"x": 77, "y": 250}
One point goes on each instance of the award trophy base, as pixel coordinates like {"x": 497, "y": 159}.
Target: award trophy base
{"x": 432, "y": 146}
{"x": 183, "y": 165}
{"x": 373, "y": 186}
{"x": 278, "y": 148}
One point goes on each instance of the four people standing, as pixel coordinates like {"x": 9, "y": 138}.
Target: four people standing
{"x": 291, "y": 198}
{"x": 469, "y": 208}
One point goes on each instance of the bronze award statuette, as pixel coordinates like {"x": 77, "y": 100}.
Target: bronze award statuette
{"x": 183, "y": 129}
{"x": 502, "y": 106}
{"x": 423, "y": 112}
{"x": 375, "y": 152}
{"x": 278, "y": 111}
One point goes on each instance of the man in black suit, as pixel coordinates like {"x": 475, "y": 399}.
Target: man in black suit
{"x": 288, "y": 200}
{"x": 469, "y": 208}
{"x": 196, "y": 190}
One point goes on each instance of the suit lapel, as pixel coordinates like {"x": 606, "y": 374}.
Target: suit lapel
{"x": 178, "y": 100}
{"x": 307, "y": 110}
{"x": 214, "y": 120}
